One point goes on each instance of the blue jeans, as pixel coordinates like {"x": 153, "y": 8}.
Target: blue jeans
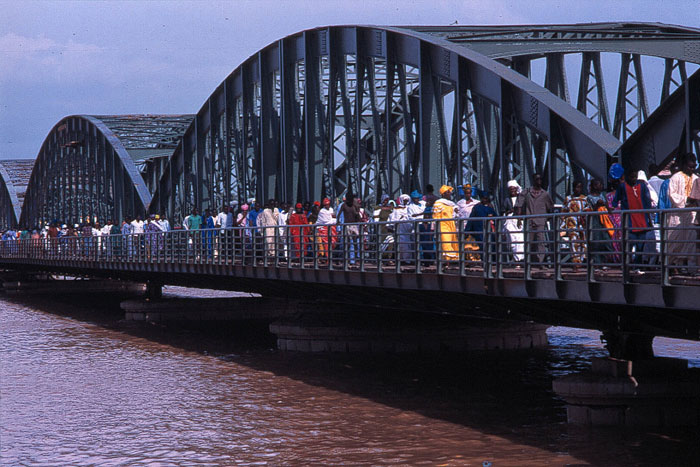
{"x": 636, "y": 240}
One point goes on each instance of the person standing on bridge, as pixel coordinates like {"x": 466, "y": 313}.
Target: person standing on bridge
{"x": 615, "y": 174}
{"x": 350, "y": 211}
{"x": 681, "y": 238}
{"x": 466, "y": 204}
{"x": 513, "y": 228}
{"x": 444, "y": 213}
{"x": 573, "y": 226}
{"x": 326, "y": 229}
{"x": 536, "y": 201}
{"x": 601, "y": 227}
{"x": 194, "y": 222}
{"x": 634, "y": 195}
{"x": 267, "y": 220}
{"x": 299, "y": 234}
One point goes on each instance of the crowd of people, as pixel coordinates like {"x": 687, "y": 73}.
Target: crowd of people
{"x": 449, "y": 225}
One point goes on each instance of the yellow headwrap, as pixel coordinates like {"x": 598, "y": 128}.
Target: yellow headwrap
{"x": 445, "y": 188}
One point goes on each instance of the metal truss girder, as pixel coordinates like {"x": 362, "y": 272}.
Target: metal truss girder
{"x": 591, "y": 69}
{"x": 630, "y": 69}
{"x": 329, "y": 71}
{"x": 9, "y": 204}
{"x": 671, "y": 129}
{"x": 508, "y": 42}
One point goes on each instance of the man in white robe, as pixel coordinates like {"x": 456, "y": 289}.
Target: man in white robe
{"x": 681, "y": 239}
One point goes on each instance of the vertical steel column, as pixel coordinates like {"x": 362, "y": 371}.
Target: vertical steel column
{"x": 269, "y": 138}
{"x": 429, "y": 164}
{"x": 313, "y": 119}
{"x": 670, "y": 66}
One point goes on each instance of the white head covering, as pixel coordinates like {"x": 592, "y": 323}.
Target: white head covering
{"x": 405, "y": 199}
{"x": 513, "y": 183}
{"x": 642, "y": 176}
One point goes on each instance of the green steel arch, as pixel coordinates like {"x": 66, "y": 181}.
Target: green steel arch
{"x": 373, "y": 109}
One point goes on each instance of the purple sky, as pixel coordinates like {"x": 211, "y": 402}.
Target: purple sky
{"x": 116, "y": 57}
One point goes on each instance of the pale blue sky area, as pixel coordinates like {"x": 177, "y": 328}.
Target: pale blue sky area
{"x": 117, "y": 57}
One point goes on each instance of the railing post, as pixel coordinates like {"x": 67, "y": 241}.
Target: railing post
{"x": 485, "y": 246}
{"x": 501, "y": 255}
{"x": 624, "y": 245}
{"x": 557, "y": 246}
{"x": 417, "y": 245}
{"x": 460, "y": 245}
{"x": 527, "y": 248}
{"x": 663, "y": 253}
{"x": 589, "y": 252}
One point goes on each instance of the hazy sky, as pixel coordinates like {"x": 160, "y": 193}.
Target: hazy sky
{"x": 117, "y": 57}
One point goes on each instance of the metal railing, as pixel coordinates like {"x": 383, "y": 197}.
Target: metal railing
{"x": 589, "y": 246}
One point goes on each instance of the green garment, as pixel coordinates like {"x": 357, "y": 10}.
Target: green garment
{"x": 194, "y": 222}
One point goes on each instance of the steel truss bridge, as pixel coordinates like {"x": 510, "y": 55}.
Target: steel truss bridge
{"x": 379, "y": 109}
{"x": 578, "y": 281}
{"x": 375, "y": 109}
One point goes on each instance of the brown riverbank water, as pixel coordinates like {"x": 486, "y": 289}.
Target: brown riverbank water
{"x": 79, "y": 386}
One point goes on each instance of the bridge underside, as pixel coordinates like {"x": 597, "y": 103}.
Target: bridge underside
{"x": 671, "y": 311}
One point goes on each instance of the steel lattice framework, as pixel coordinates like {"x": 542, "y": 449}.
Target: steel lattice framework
{"x": 388, "y": 109}
{"x": 672, "y": 129}
{"x": 520, "y": 46}
{"x": 14, "y": 177}
{"x": 87, "y": 167}
{"x": 9, "y": 205}
{"x": 373, "y": 110}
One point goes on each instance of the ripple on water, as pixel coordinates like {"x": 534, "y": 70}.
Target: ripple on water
{"x": 76, "y": 393}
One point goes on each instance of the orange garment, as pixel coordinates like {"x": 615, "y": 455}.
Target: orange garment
{"x": 605, "y": 220}
{"x": 446, "y": 229}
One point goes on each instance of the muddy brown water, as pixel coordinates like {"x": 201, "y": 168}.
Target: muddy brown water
{"x": 80, "y": 386}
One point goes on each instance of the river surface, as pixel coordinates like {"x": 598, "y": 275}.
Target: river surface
{"x": 80, "y": 386}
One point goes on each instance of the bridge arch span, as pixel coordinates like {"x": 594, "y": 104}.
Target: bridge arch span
{"x": 83, "y": 171}
{"x": 9, "y": 203}
{"x": 374, "y": 110}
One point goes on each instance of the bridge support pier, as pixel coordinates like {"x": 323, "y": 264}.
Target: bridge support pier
{"x": 632, "y": 387}
{"x": 207, "y": 310}
{"x": 384, "y": 331}
{"x": 154, "y": 290}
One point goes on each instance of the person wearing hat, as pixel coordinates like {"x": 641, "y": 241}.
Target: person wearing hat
{"x": 404, "y": 229}
{"x": 615, "y": 175}
{"x": 298, "y": 234}
{"x": 533, "y": 201}
{"x": 444, "y": 213}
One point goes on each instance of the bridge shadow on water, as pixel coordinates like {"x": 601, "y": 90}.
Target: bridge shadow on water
{"x": 500, "y": 394}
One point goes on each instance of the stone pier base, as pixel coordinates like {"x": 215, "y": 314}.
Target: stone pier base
{"x": 207, "y": 309}
{"x": 659, "y": 392}
{"x": 401, "y": 333}
{"x": 71, "y": 286}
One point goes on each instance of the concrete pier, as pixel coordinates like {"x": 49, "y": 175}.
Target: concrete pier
{"x": 354, "y": 332}
{"x": 49, "y": 285}
{"x": 660, "y": 392}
